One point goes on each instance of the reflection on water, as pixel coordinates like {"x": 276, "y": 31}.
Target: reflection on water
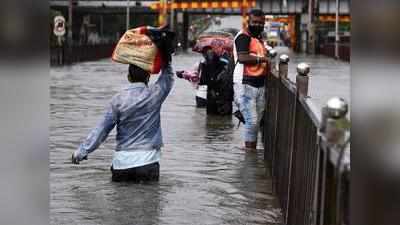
{"x": 205, "y": 177}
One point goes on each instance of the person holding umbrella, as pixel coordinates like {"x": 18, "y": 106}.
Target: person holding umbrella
{"x": 215, "y": 73}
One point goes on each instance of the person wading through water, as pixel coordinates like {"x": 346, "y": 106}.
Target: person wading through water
{"x": 135, "y": 111}
{"x": 215, "y": 72}
{"x": 250, "y": 72}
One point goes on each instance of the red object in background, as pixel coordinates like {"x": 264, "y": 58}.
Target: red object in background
{"x": 220, "y": 43}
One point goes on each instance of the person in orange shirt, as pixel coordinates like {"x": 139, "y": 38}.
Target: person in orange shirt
{"x": 251, "y": 69}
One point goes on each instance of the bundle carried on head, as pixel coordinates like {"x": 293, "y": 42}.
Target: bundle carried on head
{"x": 146, "y": 47}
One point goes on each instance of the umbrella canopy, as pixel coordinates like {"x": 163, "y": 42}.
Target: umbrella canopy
{"x": 219, "y": 42}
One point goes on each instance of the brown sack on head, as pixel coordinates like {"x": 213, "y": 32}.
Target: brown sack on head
{"x": 136, "y": 48}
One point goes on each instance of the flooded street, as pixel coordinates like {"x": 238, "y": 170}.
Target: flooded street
{"x": 205, "y": 178}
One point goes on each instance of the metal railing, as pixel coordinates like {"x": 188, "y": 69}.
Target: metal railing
{"x": 306, "y": 150}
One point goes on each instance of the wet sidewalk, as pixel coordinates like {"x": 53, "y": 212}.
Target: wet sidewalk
{"x": 204, "y": 177}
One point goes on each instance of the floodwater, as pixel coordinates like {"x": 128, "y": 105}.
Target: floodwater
{"x": 328, "y": 77}
{"x": 205, "y": 178}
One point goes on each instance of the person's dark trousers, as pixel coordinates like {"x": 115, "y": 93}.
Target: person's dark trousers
{"x": 150, "y": 172}
{"x": 201, "y": 102}
{"x": 212, "y": 107}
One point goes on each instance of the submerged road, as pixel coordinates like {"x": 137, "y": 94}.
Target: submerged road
{"x": 205, "y": 178}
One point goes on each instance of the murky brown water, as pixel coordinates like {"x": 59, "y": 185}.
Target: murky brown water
{"x": 205, "y": 178}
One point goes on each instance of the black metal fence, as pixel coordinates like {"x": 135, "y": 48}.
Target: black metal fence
{"x": 306, "y": 151}
{"x": 60, "y": 56}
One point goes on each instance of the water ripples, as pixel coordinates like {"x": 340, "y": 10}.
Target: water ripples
{"x": 205, "y": 177}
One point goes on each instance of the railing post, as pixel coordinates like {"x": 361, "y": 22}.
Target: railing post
{"x": 333, "y": 121}
{"x": 272, "y": 54}
{"x": 303, "y": 69}
{"x": 283, "y": 66}
{"x": 273, "y": 85}
{"x": 334, "y": 126}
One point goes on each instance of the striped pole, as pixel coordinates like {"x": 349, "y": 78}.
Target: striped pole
{"x": 244, "y": 13}
{"x": 163, "y": 12}
{"x": 337, "y": 39}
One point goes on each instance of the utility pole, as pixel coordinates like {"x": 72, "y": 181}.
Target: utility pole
{"x": 311, "y": 27}
{"x": 69, "y": 36}
{"x": 127, "y": 15}
{"x": 337, "y": 31}
{"x": 244, "y": 13}
{"x": 163, "y": 12}
{"x": 172, "y": 16}
{"x": 185, "y": 41}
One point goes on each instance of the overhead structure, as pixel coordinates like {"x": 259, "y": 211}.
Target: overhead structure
{"x": 163, "y": 10}
{"x": 164, "y": 6}
{"x": 209, "y": 7}
{"x": 291, "y": 7}
{"x": 205, "y": 5}
{"x": 271, "y": 7}
{"x": 303, "y": 15}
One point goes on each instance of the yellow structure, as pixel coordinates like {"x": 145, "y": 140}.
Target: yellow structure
{"x": 162, "y": 17}
{"x": 332, "y": 18}
{"x": 163, "y": 4}
{"x": 245, "y": 6}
